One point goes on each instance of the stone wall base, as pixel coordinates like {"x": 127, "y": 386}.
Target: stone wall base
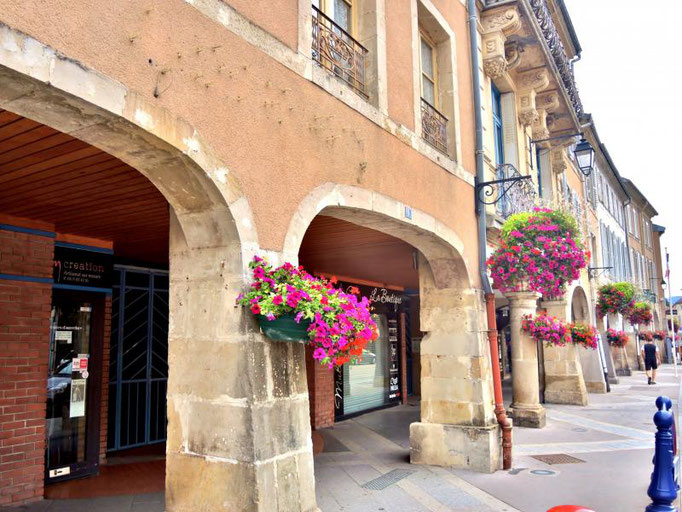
{"x": 623, "y": 372}
{"x": 565, "y": 389}
{"x": 596, "y": 387}
{"x": 476, "y": 448}
{"x": 530, "y": 417}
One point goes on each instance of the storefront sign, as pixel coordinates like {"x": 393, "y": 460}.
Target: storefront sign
{"x": 82, "y": 267}
{"x": 384, "y": 296}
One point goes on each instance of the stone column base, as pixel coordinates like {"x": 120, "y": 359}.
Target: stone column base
{"x": 458, "y": 446}
{"x": 529, "y": 416}
{"x": 565, "y": 397}
{"x": 596, "y": 387}
{"x": 565, "y": 389}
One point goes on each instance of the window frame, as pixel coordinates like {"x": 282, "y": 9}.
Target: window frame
{"x": 423, "y": 36}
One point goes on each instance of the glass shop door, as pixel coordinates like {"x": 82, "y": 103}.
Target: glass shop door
{"x": 73, "y": 384}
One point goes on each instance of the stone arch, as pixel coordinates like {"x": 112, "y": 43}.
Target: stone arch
{"x": 580, "y": 308}
{"x": 224, "y": 401}
{"x": 456, "y": 378}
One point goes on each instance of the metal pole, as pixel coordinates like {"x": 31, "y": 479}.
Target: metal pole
{"x": 670, "y": 307}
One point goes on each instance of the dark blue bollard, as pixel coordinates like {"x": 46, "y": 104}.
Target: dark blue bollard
{"x": 662, "y": 489}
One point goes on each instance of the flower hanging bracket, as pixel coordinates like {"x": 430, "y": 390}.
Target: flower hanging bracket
{"x": 594, "y": 272}
{"x": 491, "y": 192}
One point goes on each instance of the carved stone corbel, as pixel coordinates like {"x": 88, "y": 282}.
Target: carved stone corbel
{"x": 529, "y": 83}
{"x": 539, "y": 127}
{"x": 548, "y": 101}
{"x": 557, "y": 160}
{"x": 497, "y": 25}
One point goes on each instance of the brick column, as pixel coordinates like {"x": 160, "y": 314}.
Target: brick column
{"x": 527, "y": 411}
{"x": 25, "y": 304}
{"x": 320, "y": 392}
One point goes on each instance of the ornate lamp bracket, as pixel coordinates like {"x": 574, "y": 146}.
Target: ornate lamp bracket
{"x": 491, "y": 192}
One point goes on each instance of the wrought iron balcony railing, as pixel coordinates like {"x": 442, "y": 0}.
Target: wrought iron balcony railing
{"x": 336, "y": 50}
{"x": 521, "y": 197}
{"x": 434, "y": 127}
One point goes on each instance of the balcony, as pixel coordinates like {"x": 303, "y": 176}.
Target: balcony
{"x": 519, "y": 197}
{"x": 336, "y": 50}
{"x": 434, "y": 127}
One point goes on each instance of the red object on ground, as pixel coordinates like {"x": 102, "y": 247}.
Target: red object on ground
{"x": 570, "y": 508}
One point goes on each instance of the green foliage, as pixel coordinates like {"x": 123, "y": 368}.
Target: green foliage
{"x": 564, "y": 220}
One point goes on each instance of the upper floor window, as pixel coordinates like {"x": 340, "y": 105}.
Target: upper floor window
{"x": 428, "y": 71}
{"x": 434, "y": 123}
{"x": 334, "y": 46}
{"x": 497, "y": 125}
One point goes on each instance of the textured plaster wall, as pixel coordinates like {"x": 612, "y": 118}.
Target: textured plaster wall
{"x": 279, "y": 134}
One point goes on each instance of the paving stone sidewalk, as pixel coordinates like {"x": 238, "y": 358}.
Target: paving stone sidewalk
{"x": 365, "y": 466}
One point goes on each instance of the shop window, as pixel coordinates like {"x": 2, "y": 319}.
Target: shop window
{"x": 365, "y": 382}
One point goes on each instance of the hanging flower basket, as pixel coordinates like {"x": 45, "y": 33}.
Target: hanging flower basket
{"x": 646, "y": 336}
{"x": 540, "y": 251}
{"x": 284, "y": 328}
{"x": 640, "y": 314}
{"x": 659, "y": 335}
{"x": 585, "y": 335}
{"x": 292, "y": 305}
{"x": 616, "y": 338}
{"x": 547, "y": 329}
{"x": 615, "y": 298}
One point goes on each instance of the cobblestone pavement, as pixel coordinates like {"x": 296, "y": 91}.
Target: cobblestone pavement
{"x": 365, "y": 466}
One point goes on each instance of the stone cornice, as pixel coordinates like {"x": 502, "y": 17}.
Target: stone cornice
{"x": 556, "y": 48}
{"x": 540, "y": 14}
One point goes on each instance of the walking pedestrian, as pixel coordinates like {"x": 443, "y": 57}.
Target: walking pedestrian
{"x": 652, "y": 358}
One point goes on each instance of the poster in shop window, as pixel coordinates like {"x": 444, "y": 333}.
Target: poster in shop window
{"x": 394, "y": 366}
{"x": 77, "y": 409}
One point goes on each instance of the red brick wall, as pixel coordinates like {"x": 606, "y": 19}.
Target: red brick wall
{"x": 321, "y": 392}
{"x": 24, "y": 339}
{"x": 106, "y": 347}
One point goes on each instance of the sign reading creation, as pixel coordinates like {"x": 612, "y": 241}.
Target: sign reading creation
{"x": 82, "y": 267}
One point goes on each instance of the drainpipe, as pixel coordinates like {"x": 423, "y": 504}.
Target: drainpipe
{"x": 482, "y": 269}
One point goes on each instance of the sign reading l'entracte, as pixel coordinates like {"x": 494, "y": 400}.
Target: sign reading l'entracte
{"x": 81, "y": 267}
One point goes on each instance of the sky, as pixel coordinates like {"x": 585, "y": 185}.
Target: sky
{"x": 629, "y": 78}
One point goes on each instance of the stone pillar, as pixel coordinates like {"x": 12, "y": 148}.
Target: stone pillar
{"x": 238, "y": 418}
{"x": 632, "y": 351}
{"x": 458, "y": 426}
{"x": 564, "y": 382}
{"x": 526, "y": 408}
{"x": 619, "y": 354}
{"x": 608, "y": 353}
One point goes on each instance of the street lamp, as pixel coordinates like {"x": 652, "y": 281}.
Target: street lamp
{"x": 584, "y": 154}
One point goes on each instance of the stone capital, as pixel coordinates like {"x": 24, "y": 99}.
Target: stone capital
{"x": 522, "y": 300}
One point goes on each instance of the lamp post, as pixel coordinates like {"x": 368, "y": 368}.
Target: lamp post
{"x": 583, "y": 152}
